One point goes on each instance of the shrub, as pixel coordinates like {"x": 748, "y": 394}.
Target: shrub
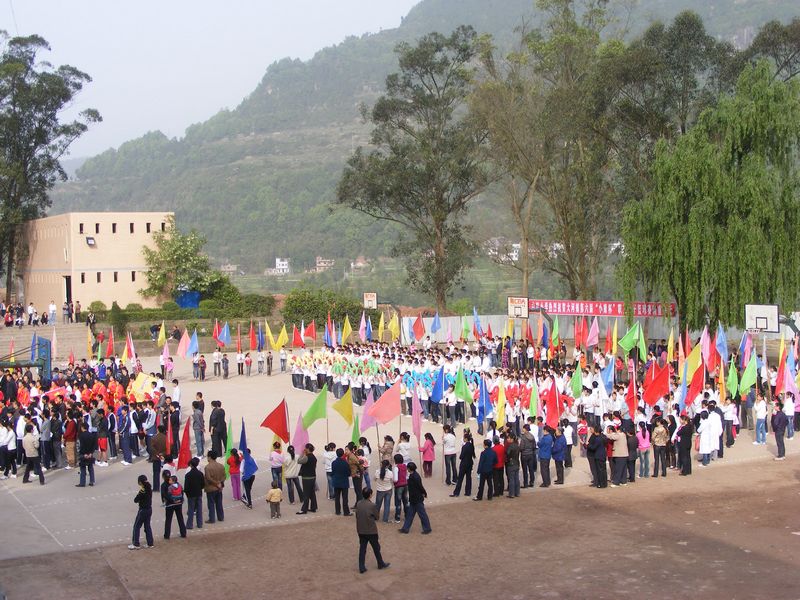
{"x": 118, "y": 319}
{"x": 133, "y": 306}
{"x": 98, "y": 306}
{"x": 170, "y": 306}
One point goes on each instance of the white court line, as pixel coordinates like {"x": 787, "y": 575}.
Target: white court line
{"x": 33, "y": 516}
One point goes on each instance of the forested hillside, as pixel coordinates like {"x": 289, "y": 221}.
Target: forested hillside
{"x": 259, "y": 180}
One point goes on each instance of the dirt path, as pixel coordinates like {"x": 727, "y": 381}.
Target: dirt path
{"x": 732, "y": 533}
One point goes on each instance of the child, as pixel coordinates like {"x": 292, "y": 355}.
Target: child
{"x": 274, "y": 497}
{"x": 234, "y": 461}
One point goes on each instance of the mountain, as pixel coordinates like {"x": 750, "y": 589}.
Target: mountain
{"x": 258, "y": 180}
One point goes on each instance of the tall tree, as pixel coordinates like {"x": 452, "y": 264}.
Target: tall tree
{"x": 781, "y": 45}
{"x": 424, "y": 167}
{"x": 724, "y": 211}
{"x": 33, "y": 138}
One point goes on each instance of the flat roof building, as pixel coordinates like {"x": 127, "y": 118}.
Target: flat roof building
{"x": 89, "y": 256}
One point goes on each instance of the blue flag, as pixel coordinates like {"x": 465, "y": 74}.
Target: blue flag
{"x": 225, "y": 335}
{"x": 194, "y": 345}
{"x": 261, "y": 340}
{"x": 368, "y": 333}
{"x": 684, "y": 389}
{"x": 437, "y": 324}
{"x": 791, "y": 363}
{"x": 477, "y": 321}
{"x": 742, "y": 346}
{"x": 483, "y": 401}
{"x": 326, "y": 337}
{"x": 411, "y": 336}
{"x": 242, "y": 439}
{"x": 722, "y": 344}
{"x": 33, "y": 347}
{"x": 438, "y": 388}
{"x": 608, "y": 376}
{"x": 545, "y": 337}
{"x": 339, "y": 335}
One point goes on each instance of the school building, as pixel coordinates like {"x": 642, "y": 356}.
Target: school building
{"x": 88, "y": 256}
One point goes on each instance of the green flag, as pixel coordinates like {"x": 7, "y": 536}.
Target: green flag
{"x": 554, "y": 336}
{"x": 642, "y": 345}
{"x": 630, "y": 339}
{"x": 462, "y": 389}
{"x": 464, "y": 328}
{"x": 534, "y": 399}
{"x": 228, "y": 446}
{"x": 748, "y": 376}
{"x": 733, "y": 381}
{"x": 577, "y": 383}
{"x": 356, "y": 433}
{"x": 318, "y": 408}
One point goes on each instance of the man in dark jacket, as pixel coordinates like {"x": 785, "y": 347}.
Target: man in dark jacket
{"x": 308, "y": 475}
{"x": 779, "y": 422}
{"x": 216, "y": 427}
{"x": 512, "y": 466}
{"x": 193, "y": 485}
{"x": 367, "y": 529}
{"x": 87, "y": 446}
{"x": 596, "y": 454}
{"x": 416, "y": 501}
{"x": 466, "y": 460}
{"x": 158, "y": 450}
{"x": 340, "y": 473}
{"x": 486, "y": 471}
{"x": 527, "y": 456}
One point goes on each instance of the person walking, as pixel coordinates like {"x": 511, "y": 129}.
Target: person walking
{"x": 87, "y": 446}
{"x": 214, "y": 474}
{"x": 466, "y": 461}
{"x": 193, "y": 484}
{"x": 367, "y": 515}
{"x": 249, "y": 468}
{"x": 416, "y": 501}
{"x": 30, "y": 442}
{"x": 308, "y": 476}
{"x": 486, "y": 471}
{"x": 144, "y": 498}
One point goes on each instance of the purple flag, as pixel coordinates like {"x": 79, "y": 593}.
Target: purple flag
{"x": 367, "y": 420}
{"x": 300, "y": 437}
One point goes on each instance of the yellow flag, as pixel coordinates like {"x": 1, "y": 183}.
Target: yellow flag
{"x": 162, "y": 335}
{"x": 346, "y": 329}
{"x": 344, "y": 406}
{"x": 721, "y": 382}
{"x": 272, "y": 343}
{"x": 394, "y": 327}
{"x": 283, "y": 337}
{"x": 614, "y": 339}
{"x": 671, "y": 346}
{"x": 781, "y": 349}
{"x": 380, "y": 328}
{"x": 500, "y": 411}
{"x": 693, "y": 361}
{"x": 124, "y": 357}
{"x": 88, "y": 342}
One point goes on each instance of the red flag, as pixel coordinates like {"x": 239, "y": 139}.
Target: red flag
{"x": 252, "y": 336}
{"x": 630, "y": 398}
{"x": 278, "y": 421}
{"x": 419, "y": 328}
{"x": 489, "y": 332}
{"x": 297, "y": 339}
{"x": 110, "y": 349}
{"x": 311, "y": 331}
{"x": 529, "y": 333}
{"x": 780, "y": 384}
{"x": 71, "y": 357}
{"x": 239, "y": 338}
{"x": 331, "y": 332}
{"x": 475, "y": 331}
{"x": 185, "y": 452}
{"x": 387, "y": 407}
{"x": 551, "y": 401}
{"x": 656, "y": 385}
{"x": 215, "y": 333}
{"x": 609, "y": 342}
{"x": 695, "y": 387}
{"x": 584, "y": 332}
{"x": 688, "y": 347}
{"x": 169, "y": 439}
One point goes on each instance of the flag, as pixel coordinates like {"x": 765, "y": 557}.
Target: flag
{"x": 185, "y": 451}
{"x": 369, "y": 329}
{"x": 278, "y": 421}
{"x": 346, "y": 329}
{"x": 656, "y": 387}
{"x": 165, "y": 353}
{"x": 367, "y": 420}
{"x": 642, "y": 345}
{"x": 380, "y": 328}
{"x": 88, "y": 342}
{"x": 437, "y": 324}
{"x": 419, "y": 328}
{"x": 394, "y": 327}
{"x": 272, "y": 343}
{"x": 300, "y": 437}
{"x": 162, "y": 334}
{"x": 576, "y": 382}
{"x": 242, "y": 439}
{"x": 253, "y": 340}
{"x": 529, "y": 333}
{"x": 608, "y": 346}
{"x": 356, "y": 435}
{"x": 607, "y": 375}
{"x": 215, "y": 333}
{"x": 318, "y": 408}
{"x": 283, "y": 337}
{"x": 132, "y": 349}
{"x": 554, "y": 335}
{"x": 722, "y": 344}
{"x": 534, "y": 403}
{"x": 614, "y": 339}
{"x": 593, "y": 339}
{"x": 449, "y": 332}
{"x": 410, "y": 331}
{"x": 551, "y": 401}
{"x": 461, "y": 387}
{"x": 339, "y": 336}
{"x": 53, "y": 345}
{"x": 344, "y": 406}
{"x": 261, "y": 340}
{"x": 749, "y": 376}
{"x": 225, "y": 335}
{"x": 630, "y": 338}
{"x": 476, "y": 321}
{"x": 500, "y": 410}
{"x": 540, "y": 327}
{"x": 326, "y": 336}
{"x": 694, "y": 360}
{"x": 545, "y": 337}
{"x": 483, "y": 401}
{"x": 696, "y": 385}
{"x": 671, "y": 346}
{"x": 437, "y": 393}
{"x": 464, "y": 328}
{"x": 387, "y": 407}
{"x": 33, "y": 347}
{"x": 362, "y": 328}
{"x": 194, "y": 344}
{"x": 183, "y": 345}
{"x": 228, "y": 446}
{"x": 239, "y": 338}
{"x": 630, "y": 398}
{"x": 489, "y": 333}
{"x": 71, "y": 357}
{"x": 297, "y": 339}
{"x": 585, "y": 332}
{"x": 705, "y": 346}
{"x": 416, "y": 416}
{"x": 733, "y": 381}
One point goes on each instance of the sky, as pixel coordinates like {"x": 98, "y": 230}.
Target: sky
{"x": 170, "y": 63}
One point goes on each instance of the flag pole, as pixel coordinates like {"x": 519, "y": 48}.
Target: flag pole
{"x": 327, "y": 433}
{"x": 378, "y": 435}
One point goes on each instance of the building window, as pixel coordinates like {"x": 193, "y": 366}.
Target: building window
{"x": 113, "y": 228}
{"x": 163, "y": 226}
{"x": 98, "y": 277}
{"x": 147, "y": 227}
{"x": 97, "y": 228}
{"x": 131, "y": 227}
{"x": 133, "y": 275}
{"x": 83, "y": 277}
{"x": 80, "y": 228}
{"x": 115, "y": 277}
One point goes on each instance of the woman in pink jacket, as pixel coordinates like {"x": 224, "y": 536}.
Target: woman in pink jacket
{"x": 428, "y": 455}
{"x": 643, "y": 435}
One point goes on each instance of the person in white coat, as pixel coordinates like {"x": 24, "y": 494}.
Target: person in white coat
{"x": 709, "y": 437}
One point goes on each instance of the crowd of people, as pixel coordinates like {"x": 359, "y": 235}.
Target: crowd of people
{"x": 17, "y": 315}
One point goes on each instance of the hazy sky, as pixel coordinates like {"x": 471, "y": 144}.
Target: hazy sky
{"x": 170, "y": 63}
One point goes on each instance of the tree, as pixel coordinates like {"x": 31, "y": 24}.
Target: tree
{"x": 781, "y": 45}
{"x": 33, "y": 95}
{"x": 724, "y": 210}
{"x": 424, "y": 167}
{"x": 177, "y": 263}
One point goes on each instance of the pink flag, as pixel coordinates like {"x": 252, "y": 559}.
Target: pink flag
{"x": 705, "y": 346}
{"x": 183, "y": 345}
{"x": 165, "y": 353}
{"x": 367, "y": 420}
{"x": 387, "y": 407}
{"x": 362, "y": 329}
{"x": 594, "y": 334}
{"x": 789, "y": 384}
{"x": 449, "y": 333}
{"x": 416, "y": 416}
{"x": 748, "y": 347}
{"x": 300, "y": 437}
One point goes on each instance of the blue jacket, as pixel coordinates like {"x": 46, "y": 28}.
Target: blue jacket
{"x": 546, "y": 447}
{"x": 486, "y": 462}
{"x": 559, "y": 448}
{"x": 340, "y": 472}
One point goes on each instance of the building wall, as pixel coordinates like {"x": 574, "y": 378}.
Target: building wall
{"x": 58, "y": 248}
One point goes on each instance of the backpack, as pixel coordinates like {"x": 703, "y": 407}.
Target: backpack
{"x": 175, "y": 493}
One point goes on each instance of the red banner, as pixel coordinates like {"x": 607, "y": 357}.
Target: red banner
{"x": 599, "y": 308}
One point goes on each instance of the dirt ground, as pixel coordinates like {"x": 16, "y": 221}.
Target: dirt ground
{"x": 732, "y": 533}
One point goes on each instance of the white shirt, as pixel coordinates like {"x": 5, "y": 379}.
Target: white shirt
{"x": 449, "y": 443}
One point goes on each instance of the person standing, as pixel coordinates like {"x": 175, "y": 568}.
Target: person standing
{"x": 193, "y": 484}
{"x": 643, "y": 450}
{"x": 158, "y": 450}
{"x": 174, "y": 506}
{"x": 512, "y": 466}
{"x": 685, "y": 445}
{"x": 466, "y": 461}
{"x": 449, "y": 450}
{"x": 87, "y": 446}
{"x": 340, "y": 472}
{"x": 214, "y": 474}
{"x": 559, "y": 454}
{"x": 30, "y": 442}
{"x": 779, "y": 424}
{"x": 486, "y": 471}
{"x": 760, "y": 410}
{"x": 216, "y": 427}
{"x": 367, "y": 516}
{"x": 545, "y": 454}
{"x": 499, "y": 466}
{"x": 144, "y": 498}
{"x": 596, "y": 455}
{"x": 308, "y": 475}
{"x": 660, "y": 438}
{"x": 249, "y": 468}
{"x": 199, "y": 428}
{"x": 416, "y": 501}
{"x": 400, "y": 481}
{"x": 620, "y": 455}
{"x": 234, "y": 461}
{"x": 527, "y": 454}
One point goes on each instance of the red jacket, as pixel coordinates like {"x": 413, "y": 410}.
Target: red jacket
{"x": 500, "y": 451}
{"x": 71, "y": 431}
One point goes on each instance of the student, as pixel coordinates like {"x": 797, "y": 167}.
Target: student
{"x": 340, "y": 472}
{"x": 486, "y": 471}
{"x": 274, "y": 497}
{"x": 400, "y": 480}
{"x": 173, "y": 506}
{"x": 466, "y": 461}
{"x": 144, "y": 498}
{"x": 367, "y": 529}
{"x": 384, "y": 486}
{"x": 416, "y": 501}
{"x": 193, "y": 484}
{"x": 428, "y": 453}
{"x": 234, "y": 460}
{"x": 249, "y": 468}
{"x": 308, "y": 476}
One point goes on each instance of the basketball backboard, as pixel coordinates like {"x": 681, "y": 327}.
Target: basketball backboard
{"x": 761, "y": 318}
{"x": 517, "y": 307}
